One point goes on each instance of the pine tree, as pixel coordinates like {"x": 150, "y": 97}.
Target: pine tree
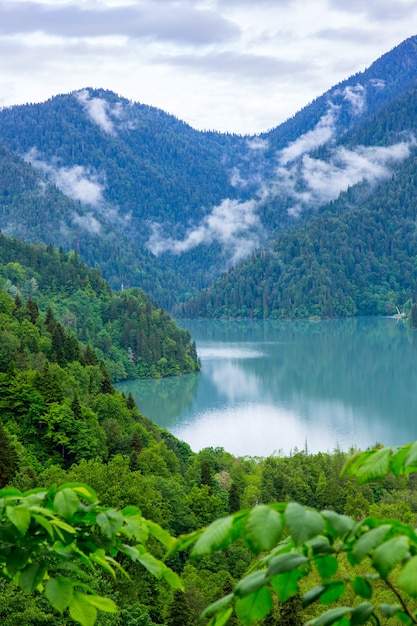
{"x": 33, "y": 310}
{"x": 90, "y": 357}
{"x": 234, "y": 498}
{"x": 106, "y": 386}
{"x": 8, "y": 458}
{"x": 179, "y": 612}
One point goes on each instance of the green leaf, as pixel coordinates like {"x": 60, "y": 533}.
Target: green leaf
{"x": 162, "y": 535}
{"x": 217, "y": 536}
{"x": 327, "y": 566}
{"x": 134, "y": 527}
{"x": 342, "y": 524}
{"x": 59, "y": 592}
{"x": 10, "y": 491}
{"x": 172, "y": 578}
{"x": 355, "y": 461}
{"x": 362, "y": 587}
{"x": 102, "y": 604}
{"x": 411, "y": 458}
{"x": 286, "y": 585}
{"x": 254, "y": 606}
{"x": 16, "y": 560}
{"x": 312, "y": 595}
{"x": 110, "y": 522}
{"x": 99, "y": 557}
{"x": 130, "y": 551}
{"x": 81, "y": 610}
{"x": 368, "y": 541}
{"x": 83, "y": 490}
{"x": 263, "y": 528}
{"x": 407, "y": 578}
{"x": 361, "y": 613}
{"x": 303, "y": 523}
{"x": 286, "y": 563}
{"x": 331, "y": 616}
{"x": 19, "y": 515}
{"x": 250, "y": 583}
{"x": 31, "y": 576}
{"x": 376, "y": 466}
{"x": 152, "y": 564}
{"x": 222, "y": 618}
{"x": 215, "y": 607}
{"x": 389, "y": 610}
{"x": 44, "y": 523}
{"x": 332, "y": 591}
{"x": 398, "y": 461}
{"x": 66, "y": 503}
{"x": 387, "y": 555}
{"x": 185, "y": 541}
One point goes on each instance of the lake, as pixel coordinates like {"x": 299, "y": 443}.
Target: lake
{"x": 271, "y": 387}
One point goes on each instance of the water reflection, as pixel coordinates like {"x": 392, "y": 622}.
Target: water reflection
{"x": 267, "y": 386}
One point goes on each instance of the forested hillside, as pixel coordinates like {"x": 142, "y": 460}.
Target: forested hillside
{"x": 63, "y": 423}
{"x": 354, "y": 256}
{"x": 131, "y": 337}
{"x": 166, "y": 208}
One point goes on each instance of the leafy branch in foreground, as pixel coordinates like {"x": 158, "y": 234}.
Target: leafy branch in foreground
{"x": 49, "y": 538}
{"x": 293, "y": 544}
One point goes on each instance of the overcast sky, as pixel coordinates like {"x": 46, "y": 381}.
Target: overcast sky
{"x": 231, "y": 65}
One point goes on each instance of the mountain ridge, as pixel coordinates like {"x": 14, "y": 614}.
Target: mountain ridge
{"x": 167, "y": 208}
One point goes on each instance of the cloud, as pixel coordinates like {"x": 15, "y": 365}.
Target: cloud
{"x": 87, "y": 222}
{"x": 257, "y": 143}
{"x": 245, "y": 65}
{"x": 181, "y": 23}
{"x": 356, "y": 96}
{"x": 233, "y": 224}
{"x": 378, "y": 10}
{"x": 313, "y": 182}
{"x": 76, "y": 182}
{"x": 98, "y": 109}
{"x": 320, "y": 135}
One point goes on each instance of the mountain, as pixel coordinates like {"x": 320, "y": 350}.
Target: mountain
{"x": 159, "y": 205}
{"x": 124, "y": 332}
{"x": 353, "y": 256}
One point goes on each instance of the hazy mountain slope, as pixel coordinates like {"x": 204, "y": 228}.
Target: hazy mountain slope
{"x": 162, "y": 206}
{"x": 132, "y": 170}
{"x": 356, "y": 255}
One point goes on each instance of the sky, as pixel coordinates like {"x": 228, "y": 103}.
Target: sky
{"x": 239, "y": 66}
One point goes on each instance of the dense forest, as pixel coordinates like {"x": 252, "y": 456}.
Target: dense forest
{"x": 63, "y": 423}
{"x": 158, "y": 205}
{"x": 129, "y": 335}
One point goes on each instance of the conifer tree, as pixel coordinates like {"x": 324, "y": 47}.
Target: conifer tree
{"x": 179, "y": 613}
{"x": 8, "y": 458}
{"x": 33, "y": 310}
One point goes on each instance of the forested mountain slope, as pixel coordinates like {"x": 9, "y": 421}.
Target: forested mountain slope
{"x": 161, "y": 206}
{"x": 62, "y": 422}
{"x": 130, "y": 336}
{"x": 354, "y": 256}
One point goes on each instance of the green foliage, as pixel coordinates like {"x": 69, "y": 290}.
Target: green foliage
{"x": 49, "y": 539}
{"x": 322, "y": 553}
{"x": 132, "y": 338}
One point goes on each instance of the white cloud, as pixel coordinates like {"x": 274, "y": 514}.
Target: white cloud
{"x": 87, "y": 222}
{"x": 323, "y": 181}
{"x": 257, "y": 143}
{"x": 98, "y": 110}
{"x": 356, "y": 96}
{"x": 233, "y": 224}
{"x": 320, "y": 135}
{"x": 76, "y": 182}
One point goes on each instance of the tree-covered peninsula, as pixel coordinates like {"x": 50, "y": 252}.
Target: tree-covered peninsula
{"x": 129, "y": 335}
